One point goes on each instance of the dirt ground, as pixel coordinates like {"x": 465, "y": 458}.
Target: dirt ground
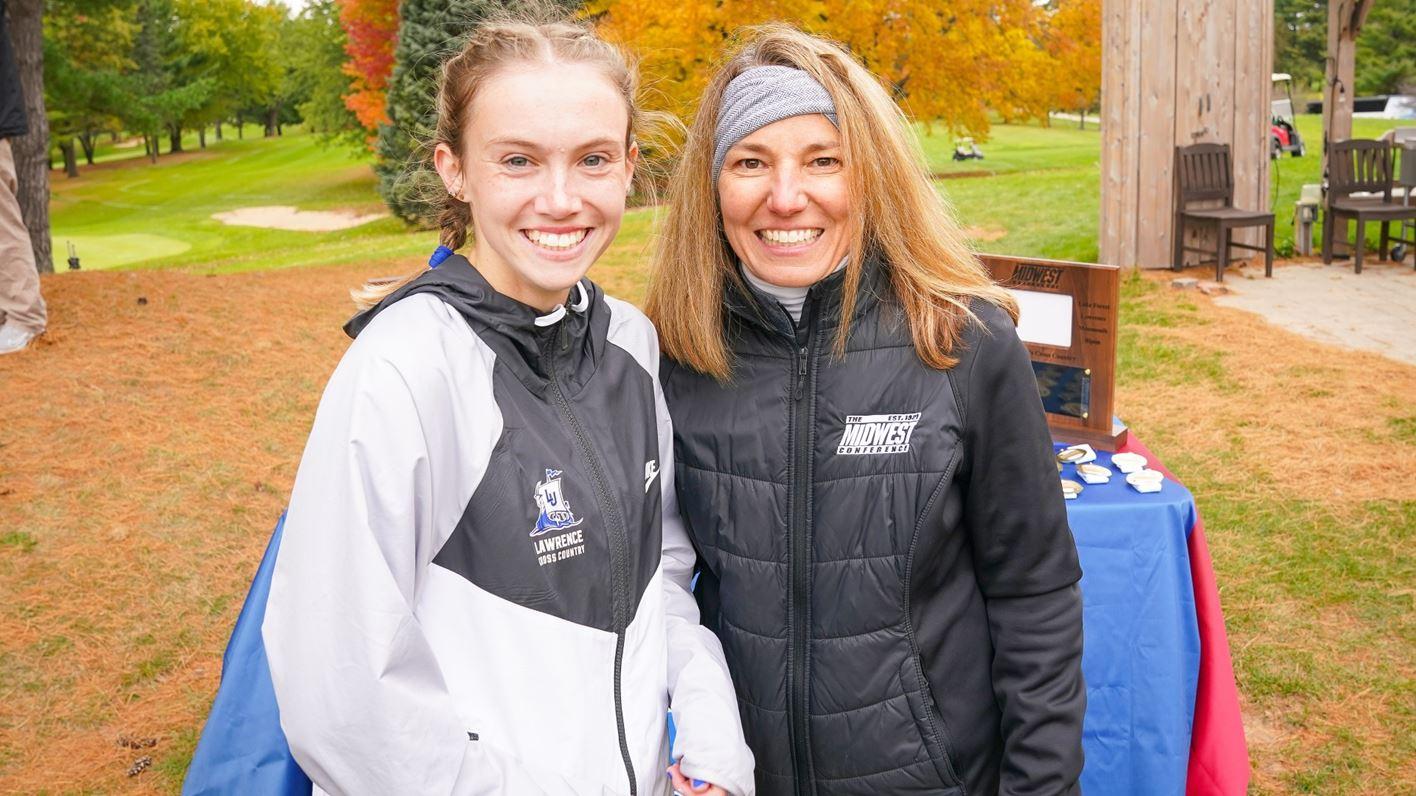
{"x": 150, "y": 439}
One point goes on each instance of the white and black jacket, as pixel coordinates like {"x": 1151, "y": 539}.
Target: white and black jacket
{"x": 484, "y": 584}
{"x": 885, "y": 552}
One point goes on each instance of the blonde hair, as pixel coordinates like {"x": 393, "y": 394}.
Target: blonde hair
{"x": 898, "y": 215}
{"x": 540, "y": 35}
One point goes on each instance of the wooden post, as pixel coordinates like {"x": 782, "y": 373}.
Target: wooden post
{"x": 1345, "y": 18}
{"x": 1178, "y": 72}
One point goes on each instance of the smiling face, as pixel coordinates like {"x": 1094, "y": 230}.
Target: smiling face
{"x": 545, "y": 169}
{"x": 786, "y": 201}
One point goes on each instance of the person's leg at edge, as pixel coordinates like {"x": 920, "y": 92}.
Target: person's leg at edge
{"x": 22, "y": 312}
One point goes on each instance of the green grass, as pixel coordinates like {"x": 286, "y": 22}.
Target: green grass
{"x": 19, "y": 540}
{"x": 140, "y": 214}
{"x": 1038, "y": 186}
{"x": 1013, "y": 148}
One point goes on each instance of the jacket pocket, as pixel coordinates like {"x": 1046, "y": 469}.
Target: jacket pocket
{"x": 930, "y": 722}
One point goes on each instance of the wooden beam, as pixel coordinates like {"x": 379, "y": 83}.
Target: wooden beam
{"x": 1339, "y": 72}
{"x": 1359, "y": 15}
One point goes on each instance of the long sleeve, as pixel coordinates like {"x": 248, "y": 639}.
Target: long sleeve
{"x": 709, "y": 729}
{"x": 1026, "y": 563}
{"x": 362, "y": 699}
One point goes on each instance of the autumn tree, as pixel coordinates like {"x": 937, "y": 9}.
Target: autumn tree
{"x": 951, "y": 62}
{"x": 1074, "y": 43}
{"x": 370, "y": 31}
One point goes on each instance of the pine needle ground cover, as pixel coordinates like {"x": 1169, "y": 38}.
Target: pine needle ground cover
{"x": 158, "y": 426}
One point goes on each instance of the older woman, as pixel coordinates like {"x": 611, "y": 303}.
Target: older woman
{"x": 862, "y": 458}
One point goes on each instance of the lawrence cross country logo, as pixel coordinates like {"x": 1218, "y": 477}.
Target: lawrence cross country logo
{"x": 868, "y": 434}
{"x": 555, "y": 509}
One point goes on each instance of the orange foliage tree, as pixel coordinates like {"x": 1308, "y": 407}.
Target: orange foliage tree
{"x": 1074, "y": 42}
{"x": 371, "y": 28}
{"x": 950, "y": 62}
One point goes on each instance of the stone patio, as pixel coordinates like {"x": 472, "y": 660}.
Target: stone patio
{"x": 1373, "y": 311}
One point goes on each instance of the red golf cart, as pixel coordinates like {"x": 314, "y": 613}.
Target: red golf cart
{"x": 1283, "y": 128}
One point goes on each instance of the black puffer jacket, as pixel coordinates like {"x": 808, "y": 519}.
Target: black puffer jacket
{"x": 885, "y": 553}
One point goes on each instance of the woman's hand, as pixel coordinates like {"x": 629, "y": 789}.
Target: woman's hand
{"x": 696, "y": 787}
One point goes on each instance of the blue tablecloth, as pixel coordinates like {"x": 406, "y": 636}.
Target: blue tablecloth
{"x": 1140, "y": 660}
{"x": 1141, "y": 654}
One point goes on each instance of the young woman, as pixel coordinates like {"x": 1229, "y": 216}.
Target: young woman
{"x": 863, "y": 461}
{"x": 484, "y": 585}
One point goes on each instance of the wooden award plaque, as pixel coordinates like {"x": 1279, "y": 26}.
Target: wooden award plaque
{"x": 1068, "y": 322}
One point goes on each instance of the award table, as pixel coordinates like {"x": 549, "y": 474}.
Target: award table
{"x": 1162, "y": 708}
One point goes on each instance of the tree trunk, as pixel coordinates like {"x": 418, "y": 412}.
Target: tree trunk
{"x": 271, "y": 115}
{"x": 240, "y": 127}
{"x": 155, "y": 139}
{"x": 32, "y": 150}
{"x": 201, "y": 136}
{"x": 71, "y": 163}
{"x": 87, "y": 140}
{"x": 175, "y": 134}
{"x": 218, "y": 129}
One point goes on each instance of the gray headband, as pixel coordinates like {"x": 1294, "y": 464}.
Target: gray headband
{"x": 763, "y": 95}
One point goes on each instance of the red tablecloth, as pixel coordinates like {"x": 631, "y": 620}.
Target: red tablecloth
{"x": 1219, "y": 755}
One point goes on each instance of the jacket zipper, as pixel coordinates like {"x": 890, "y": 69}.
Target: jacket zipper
{"x": 619, "y": 547}
{"x": 799, "y": 558}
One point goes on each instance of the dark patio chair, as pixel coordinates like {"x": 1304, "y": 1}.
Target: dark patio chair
{"x": 1364, "y": 167}
{"x": 1204, "y": 172}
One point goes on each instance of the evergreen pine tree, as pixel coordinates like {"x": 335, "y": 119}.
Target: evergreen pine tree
{"x": 428, "y": 32}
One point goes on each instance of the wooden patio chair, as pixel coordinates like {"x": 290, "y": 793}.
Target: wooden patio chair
{"x": 1204, "y": 172}
{"x": 1362, "y": 167}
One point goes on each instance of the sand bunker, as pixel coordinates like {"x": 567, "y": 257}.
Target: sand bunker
{"x": 292, "y": 218}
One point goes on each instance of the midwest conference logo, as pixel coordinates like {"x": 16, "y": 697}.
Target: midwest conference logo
{"x": 1041, "y": 276}
{"x": 870, "y": 434}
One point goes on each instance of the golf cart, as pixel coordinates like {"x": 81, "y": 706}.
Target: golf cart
{"x": 966, "y": 149}
{"x": 1283, "y": 128}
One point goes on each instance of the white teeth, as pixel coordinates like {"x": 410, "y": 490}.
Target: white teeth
{"x": 554, "y": 240}
{"x": 789, "y": 236}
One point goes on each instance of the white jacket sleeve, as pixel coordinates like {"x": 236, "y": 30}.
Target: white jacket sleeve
{"x": 362, "y": 699}
{"x": 709, "y": 739}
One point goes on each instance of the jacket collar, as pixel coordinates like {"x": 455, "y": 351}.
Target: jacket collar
{"x": 823, "y": 300}
{"x": 532, "y": 344}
